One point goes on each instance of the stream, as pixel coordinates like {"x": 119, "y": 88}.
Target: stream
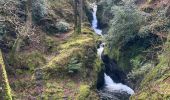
{"x": 111, "y": 89}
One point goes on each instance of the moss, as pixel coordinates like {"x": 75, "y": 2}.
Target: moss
{"x": 6, "y": 86}
{"x": 84, "y": 91}
{"x": 60, "y": 88}
{"x": 76, "y": 48}
{"x": 155, "y": 84}
{"x": 113, "y": 53}
{"x": 28, "y": 61}
{"x": 97, "y": 65}
{"x": 34, "y": 59}
{"x": 75, "y": 64}
{"x": 87, "y": 31}
{"x": 50, "y": 44}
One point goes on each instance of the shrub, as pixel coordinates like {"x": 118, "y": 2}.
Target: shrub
{"x": 124, "y": 26}
{"x": 62, "y": 27}
{"x": 74, "y": 65}
{"x": 39, "y": 9}
{"x": 138, "y": 74}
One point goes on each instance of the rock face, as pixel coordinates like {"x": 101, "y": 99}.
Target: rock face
{"x": 112, "y": 69}
{"x": 100, "y": 79}
{"x": 105, "y": 94}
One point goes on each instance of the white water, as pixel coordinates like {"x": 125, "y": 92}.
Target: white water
{"x": 95, "y": 21}
{"x": 100, "y": 50}
{"x": 109, "y": 83}
{"x": 112, "y": 86}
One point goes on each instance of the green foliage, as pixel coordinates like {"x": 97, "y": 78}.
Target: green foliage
{"x": 39, "y": 9}
{"x": 137, "y": 74}
{"x": 53, "y": 91}
{"x": 63, "y": 27}
{"x": 53, "y": 27}
{"x": 74, "y": 65}
{"x": 30, "y": 61}
{"x": 132, "y": 33}
{"x": 155, "y": 84}
{"x": 72, "y": 48}
{"x": 124, "y": 26}
{"x": 84, "y": 91}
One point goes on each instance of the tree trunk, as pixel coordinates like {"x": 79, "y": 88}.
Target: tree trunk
{"x": 29, "y": 14}
{"x": 78, "y": 8}
{"x": 4, "y": 84}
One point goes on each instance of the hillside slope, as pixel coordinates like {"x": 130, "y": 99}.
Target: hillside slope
{"x": 44, "y": 58}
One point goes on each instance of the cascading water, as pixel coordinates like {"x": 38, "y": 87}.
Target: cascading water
{"x": 110, "y": 85}
{"x": 95, "y": 21}
{"x": 100, "y": 50}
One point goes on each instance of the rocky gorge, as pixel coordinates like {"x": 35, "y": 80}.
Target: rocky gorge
{"x": 121, "y": 53}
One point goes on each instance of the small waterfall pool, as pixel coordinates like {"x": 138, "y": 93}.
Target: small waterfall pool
{"x": 110, "y": 85}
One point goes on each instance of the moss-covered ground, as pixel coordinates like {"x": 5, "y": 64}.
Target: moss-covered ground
{"x": 67, "y": 71}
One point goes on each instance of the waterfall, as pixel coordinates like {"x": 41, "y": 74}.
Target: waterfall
{"x": 112, "y": 86}
{"x": 109, "y": 83}
{"x": 95, "y": 21}
{"x": 100, "y": 50}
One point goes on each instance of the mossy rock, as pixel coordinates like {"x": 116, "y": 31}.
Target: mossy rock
{"x": 84, "y": 91}
{"x": 79, "y": 51}
{"x": 75, "y": 65}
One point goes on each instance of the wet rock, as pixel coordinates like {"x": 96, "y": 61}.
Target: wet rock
{"x": 105, "y": 94}
{"x": 100, "y": 79}
{"x": 112, "y": 69}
